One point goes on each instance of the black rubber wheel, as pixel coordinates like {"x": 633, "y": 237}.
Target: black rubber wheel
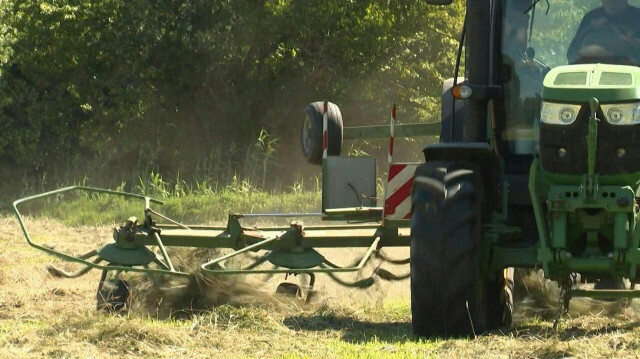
{"x": 311, "y": 132}
{"x": 500, "y": 299}
{"x": 448, "y": 295}
{"x": 113, "y": 296}
{"x": 288, "y": 289}
{"x": 611, "y": 283}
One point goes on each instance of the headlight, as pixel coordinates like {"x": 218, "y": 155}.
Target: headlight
{"x": 622, "y": 113}
{"x": 559, "y": 114}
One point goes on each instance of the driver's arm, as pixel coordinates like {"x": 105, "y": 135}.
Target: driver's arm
{"x": 633, "y": 42}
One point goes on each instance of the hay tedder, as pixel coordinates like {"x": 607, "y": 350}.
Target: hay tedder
{"x": 537, "y": 166}
{"x": 348, "y": 206}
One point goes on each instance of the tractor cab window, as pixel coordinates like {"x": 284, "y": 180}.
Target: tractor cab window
{"x": 538, "y": 35}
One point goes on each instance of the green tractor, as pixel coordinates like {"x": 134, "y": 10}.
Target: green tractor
{"x": 538, "y": 164}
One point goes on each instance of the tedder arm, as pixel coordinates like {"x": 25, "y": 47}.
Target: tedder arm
{"x": 142, "y": 247}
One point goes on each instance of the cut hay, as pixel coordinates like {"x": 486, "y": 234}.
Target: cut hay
{"x": 536, "y": 296}
{"x": 181, "y": 297}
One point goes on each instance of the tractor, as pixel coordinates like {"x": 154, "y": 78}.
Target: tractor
{"x": 535, "y": 167}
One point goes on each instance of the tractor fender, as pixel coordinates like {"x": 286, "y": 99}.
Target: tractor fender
{"x": 449, "y": 114}
{"x": 480, "y": 154}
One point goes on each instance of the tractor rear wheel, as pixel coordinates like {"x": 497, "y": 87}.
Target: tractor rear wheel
{"x": 449, "y": 296}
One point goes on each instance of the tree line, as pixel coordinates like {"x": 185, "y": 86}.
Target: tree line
{"x": 106, "y": 91}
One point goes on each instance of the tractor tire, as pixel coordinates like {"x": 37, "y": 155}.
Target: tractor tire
{"x": 311, "y": 132}
{"x": 449, "y": 297}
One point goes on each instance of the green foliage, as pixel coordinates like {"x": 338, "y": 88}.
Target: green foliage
{"x": 117, "y": 88}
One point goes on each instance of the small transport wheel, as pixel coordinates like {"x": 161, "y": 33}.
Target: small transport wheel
{"x": 311, "y": 132}
{"x": 289, "y": 290}
{"x": 113, "y": 297}
{"x": 608, "y": 283}
{"x": 449, "y": 296}
{"x": 311, "y": 295}
{"x": 500, "y": 299}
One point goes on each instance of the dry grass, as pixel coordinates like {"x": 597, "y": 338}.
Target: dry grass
{"x": 42, "y": 316}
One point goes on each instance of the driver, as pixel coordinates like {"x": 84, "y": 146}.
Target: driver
{"x": 610, "y": 34}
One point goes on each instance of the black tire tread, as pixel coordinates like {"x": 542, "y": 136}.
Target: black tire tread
{"x": 335, "y": 131}
{"x": 446, "y": 230}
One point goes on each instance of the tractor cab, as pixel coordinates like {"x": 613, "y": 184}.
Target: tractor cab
{"x": 509, "y": 47}
{"x": 537, "y": 36}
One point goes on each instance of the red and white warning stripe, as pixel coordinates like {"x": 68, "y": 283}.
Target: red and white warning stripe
{"x": 325, "y": 138}
{"x": 391, "y": 130}
{"x": 397, "y": 201}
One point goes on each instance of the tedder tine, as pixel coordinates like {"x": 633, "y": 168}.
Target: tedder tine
{"x": 245, "y": 249}
{"x": 382, "y": 256}
{"x": 61, "y": 273}
{"x": 386, "y": 275}
{"x": 363, "y": 283}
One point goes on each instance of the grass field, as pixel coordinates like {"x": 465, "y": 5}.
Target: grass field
{"x": 44, "y": 316}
